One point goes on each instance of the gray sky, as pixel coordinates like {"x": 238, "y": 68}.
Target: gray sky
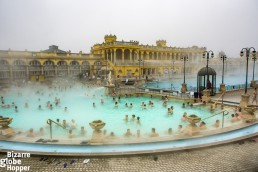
{"x": 75, "y": 25}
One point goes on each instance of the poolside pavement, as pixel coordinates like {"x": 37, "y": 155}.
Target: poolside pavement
{"x": 233, "y": 157}
{"x": 234, "y": 96}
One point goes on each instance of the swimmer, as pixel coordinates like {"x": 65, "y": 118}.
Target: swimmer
{"x": 16, "y": 109}
{"x": 138, "y": 133}
{"x": 144, "y": 106}
{"x": 94, "y": 105}
{"x": 31, "y": 133}
{"x": 131, "y": 105}
{"x": 133, "y": 118}
{"x": 170, "y": 111}
{"x": 154, "y": 133}
{"x": 126, "y": 118}
{"x": 138, "y": 120}
{"x": 65, "y": 109}
{"x": 170, "y": 131}
{"x": 233, "y": 118}
{"x": 116, "y": 104}
{"x": 126, "y": 105}
{"x": 128, "y": 133}
{"x": 217, "y": 124}
{"x": 183, "y": 105}
{"x": 65, "y": 124}
{"x": 202, "y": 125}
{"x": 112, "y": 135}
{"x": 41, "y": 131}
{"x": 183, "y": 118}
{"x": 70, "y": 134}
{"x": 180, "y": 129}
{"x": 39, "y": 107}
{"x": 101, "y": 101}
{"x": 73, "y": 124}
{"x": 83, "y": 131}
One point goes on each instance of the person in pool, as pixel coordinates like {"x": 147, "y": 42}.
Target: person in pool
{"x": 183, "y": 118}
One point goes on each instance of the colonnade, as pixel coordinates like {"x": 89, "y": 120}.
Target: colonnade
{"x": 131, "y": 56}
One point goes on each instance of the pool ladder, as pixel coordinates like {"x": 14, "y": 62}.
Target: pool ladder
{"x": 49, "y": 122}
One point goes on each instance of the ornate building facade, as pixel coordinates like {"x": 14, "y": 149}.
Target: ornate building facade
{"x": 128, "y": 59}
{"x": 134, "y": 59}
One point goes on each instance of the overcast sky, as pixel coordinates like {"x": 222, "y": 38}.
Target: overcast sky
{"x": 75, "y": 25}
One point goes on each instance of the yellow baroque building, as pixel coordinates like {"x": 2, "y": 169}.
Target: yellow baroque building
{"x": 123, "y": 58}
{"x": 129, "y": 58}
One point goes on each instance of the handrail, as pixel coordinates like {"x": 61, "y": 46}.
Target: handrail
{"x": 49, "y": 122}
{"x": 216, "y": 114}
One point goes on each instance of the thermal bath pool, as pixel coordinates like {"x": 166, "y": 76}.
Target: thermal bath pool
{"x": 79, "y": 101}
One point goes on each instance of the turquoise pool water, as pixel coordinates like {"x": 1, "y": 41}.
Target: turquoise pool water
{"x": 191, "y": 81}
{"x": 79, "y": 101}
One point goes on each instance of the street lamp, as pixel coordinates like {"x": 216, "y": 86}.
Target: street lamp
{"x": 184, "y": 58}
{"x": 184, "y": 86}
{"x": 254, "y": 59}
{"x": 245, "y": 97}
{"x": 206, "y": 54}
{"x": 222, "y": 85}
{"x": 223, "y": 58}
{"x": 247, "y": 53}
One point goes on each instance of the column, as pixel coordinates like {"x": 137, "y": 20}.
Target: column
{"x": 123, "y": 56}
{"x": 42, "y": 70}
{"x": 27, "y": 72}
{"x": 55, "y": 70}
{"x": 11, "y": 72}
{"x": 148, "y": 56}
{"x": 130, "y": 55}
{"x": 107, "y": 56}
{"x": 80, "y": 66}
{"x": 111, "y": 55}
{"x": 115, "y": 55}
{"x": 103, "y": 53}
{"x": 68, "y": 70}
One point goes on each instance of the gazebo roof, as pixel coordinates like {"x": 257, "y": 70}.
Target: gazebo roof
{"x": 203, "y": 71}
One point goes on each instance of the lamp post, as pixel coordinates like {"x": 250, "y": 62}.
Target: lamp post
{"x": 223, "y": 58}
{"x": 245, "y": 97}
{"x": 247, "y": 54}
{"x": 222, "y": 85}
{"x": 184, "y": 86}
{"x": 254, "y": 59}
{"x": 206, "y": 54}
{"x": 206, "y": 92}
